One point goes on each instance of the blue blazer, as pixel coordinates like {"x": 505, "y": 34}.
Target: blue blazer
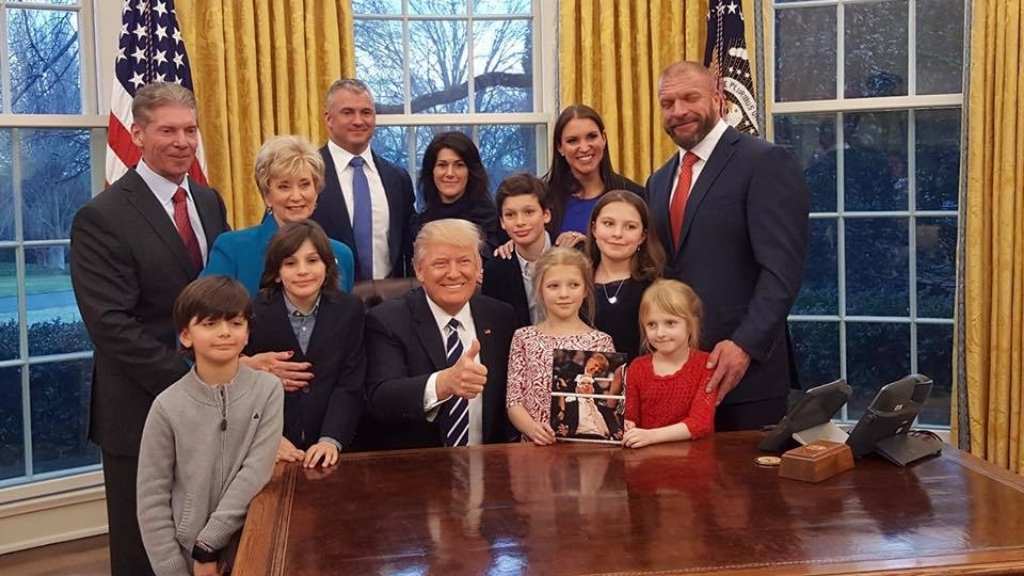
{"x": 742, "y": 249}
{"x": 241, "y": 254}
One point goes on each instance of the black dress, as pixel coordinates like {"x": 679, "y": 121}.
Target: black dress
{"x": 618, "y": 313}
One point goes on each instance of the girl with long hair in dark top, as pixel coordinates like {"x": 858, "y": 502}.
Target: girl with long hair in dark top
{"x": 580, "y": 173}
{"x": 453, "y": 182}
{"x": 627, "y": 258}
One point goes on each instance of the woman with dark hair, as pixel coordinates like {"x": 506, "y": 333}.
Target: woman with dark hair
{"x": 581, "y": 172}
{"x": 627, "y": 258}
{"x": 453, "y": 182}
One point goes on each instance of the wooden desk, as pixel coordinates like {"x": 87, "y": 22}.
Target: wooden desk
{"x": 685, "y": 508}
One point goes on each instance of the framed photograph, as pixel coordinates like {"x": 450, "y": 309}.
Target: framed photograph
{"x": 588, "y": 396}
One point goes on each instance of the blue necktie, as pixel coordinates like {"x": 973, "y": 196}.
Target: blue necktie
{"x": 454, "y": 412}
{"x": 362, "y": 219}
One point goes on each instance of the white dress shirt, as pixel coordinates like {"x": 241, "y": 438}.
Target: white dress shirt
{"x": 703, "y": 151}
{"x": 379, "y": 209}
{"x": 164, "y": 191}
{"x": 527, "y": 268}
{"x": 467, "y": 333}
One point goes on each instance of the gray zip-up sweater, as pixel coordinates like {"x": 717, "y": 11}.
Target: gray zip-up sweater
{"x": 206, "y": 452}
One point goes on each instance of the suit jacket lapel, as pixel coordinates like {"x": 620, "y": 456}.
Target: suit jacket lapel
{"x": 278, "y": 316}
{"x": 426, "y": 330}
{"x": 392, "y": 190}
{"x": 716, "y": 163}
{"x": 661, "y": 190}
{"x": 333, "y": 195}
{"x": 145, "y": 202}
{"x": 324, "y": 319}
{"x": 485, "y": 334}
{"x": 208, "y": 209}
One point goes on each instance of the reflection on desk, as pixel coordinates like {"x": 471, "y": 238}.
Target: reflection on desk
{"x": 683, "y": 508}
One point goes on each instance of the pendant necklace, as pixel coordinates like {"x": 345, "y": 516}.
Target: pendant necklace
{"x": 614, "y": 297}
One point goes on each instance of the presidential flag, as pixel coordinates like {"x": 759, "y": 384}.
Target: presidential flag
{"x": 726, "y": 55}
{"x": 150, "y": 49}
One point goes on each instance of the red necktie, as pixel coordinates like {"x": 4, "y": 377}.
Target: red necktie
{"x": 184, "y": 226}
{"x": 678, "y": 208}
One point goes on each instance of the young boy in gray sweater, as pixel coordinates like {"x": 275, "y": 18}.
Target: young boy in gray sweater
{"x": 210, "y": 439}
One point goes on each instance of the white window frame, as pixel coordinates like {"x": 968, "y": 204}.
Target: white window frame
{"x": 911, "y": 103}
{"x": 544, "y": 17}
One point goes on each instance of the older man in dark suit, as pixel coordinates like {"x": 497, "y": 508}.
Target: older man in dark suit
{"x": 437, "y": 358}
{"x": 367, "y": 202}
{"x": 732, "y": 212}
{"x": 134, "y": 247}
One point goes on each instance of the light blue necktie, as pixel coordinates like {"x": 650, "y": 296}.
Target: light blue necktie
{"x": 362, "y": 220}
{"x": 454, "y": 411}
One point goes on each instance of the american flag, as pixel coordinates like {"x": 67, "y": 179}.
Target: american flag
{"x": 726, "y": 54}
{"x": 150, "y": 49}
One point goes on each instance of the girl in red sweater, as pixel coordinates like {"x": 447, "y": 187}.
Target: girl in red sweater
{"x": 665, "y": 391}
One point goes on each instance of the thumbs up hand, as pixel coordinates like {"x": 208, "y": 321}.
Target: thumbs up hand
{"x": 465, "y": 378}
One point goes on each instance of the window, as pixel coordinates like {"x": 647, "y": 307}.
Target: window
{"x": 468, "y": 65}
{"x": 868, "y": 95}
{"x": 51, "y": 154}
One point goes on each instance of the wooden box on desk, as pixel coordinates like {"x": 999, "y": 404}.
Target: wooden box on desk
{"x": 816, "y": 461}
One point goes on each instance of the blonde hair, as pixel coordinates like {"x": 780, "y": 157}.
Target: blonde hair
{"x": 282, "y": 156}
{"x": 450, "y": 231}
{"x": 676, "y": 299}
{"x": 566, "y": 257}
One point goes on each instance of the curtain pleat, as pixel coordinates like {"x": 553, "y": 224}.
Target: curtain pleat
{"x": 261, "y": 68}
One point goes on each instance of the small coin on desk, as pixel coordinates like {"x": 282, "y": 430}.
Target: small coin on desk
{"x": 768, "y": 461}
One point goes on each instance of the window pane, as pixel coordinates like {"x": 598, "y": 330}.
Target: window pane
{"x": 875, "y": 161}
{"x": 60, "y": 415}
{"x": 935, "y": 359}
{"x": 56, "y": 168}
{"x": 812, "y": 139}
{"x": 816, "y": 346}
{"x": 379, "y": 59}
{"x": 376, "y": 7}
{"x": 819, "y": 293}
{"x": 940, "y": 46}
{"x": 9, "y": 339}
{"x": 392, "y": 142}
{"x": 439, "y": 79}
{"x": 937, "y": 154}
{"x": 509, "y": 148}
{"x": 876, "y": 354}
{"x": 44, "y": 61}
{"x": 877, "y": 267}
{"x": 876, "y": 49}
{"x": 6, "y": 188}
{"x": 54, "y": 323}
{"x": 805, "y": 54}
{"x": 12, "y": 436}
{"x": 501, "y": 6}
{"x": 54, "y": 2}
{"x": 936, "y": 267}
{"x": 437, "y": 7}
{"x": 502, "y": 65}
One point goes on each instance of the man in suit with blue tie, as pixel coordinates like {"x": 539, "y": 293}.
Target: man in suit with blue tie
{"x": 732, "y": 213}
{"x": 367, "y": 202}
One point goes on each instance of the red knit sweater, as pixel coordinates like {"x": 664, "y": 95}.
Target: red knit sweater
{"x": 654, "y": 401}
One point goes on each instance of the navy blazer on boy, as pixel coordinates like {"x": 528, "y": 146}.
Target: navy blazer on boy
{"x": 503, "y": 280}
{"x": 332, "y": 404}
{"x": 333, "y": 214}
{"x": 741, "y": 248}
{"x": 404, "y": 347}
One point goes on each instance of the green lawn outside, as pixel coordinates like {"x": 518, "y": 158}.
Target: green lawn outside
{"x": 39, "y": 280}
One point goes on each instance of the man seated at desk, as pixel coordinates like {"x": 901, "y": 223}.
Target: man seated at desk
{"x": 438, "y": 356}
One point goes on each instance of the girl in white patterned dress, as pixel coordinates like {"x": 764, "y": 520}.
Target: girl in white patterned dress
{"x": 563, "y": 282}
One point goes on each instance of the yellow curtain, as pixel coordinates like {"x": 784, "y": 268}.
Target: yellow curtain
{"x": 609, "y": 56}
{"x": 261, "y": 68}
{"x": 994, "y": 236}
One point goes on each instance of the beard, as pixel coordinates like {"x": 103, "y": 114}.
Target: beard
{"x": 704, "y": 125}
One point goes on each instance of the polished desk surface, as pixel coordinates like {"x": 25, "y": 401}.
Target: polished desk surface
{"x": 683, "y": 508}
